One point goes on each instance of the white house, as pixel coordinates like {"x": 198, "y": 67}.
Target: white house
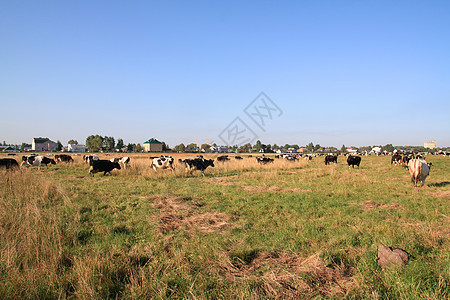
{"x": 43, "y": 144}
{"x": 76, "y": 148}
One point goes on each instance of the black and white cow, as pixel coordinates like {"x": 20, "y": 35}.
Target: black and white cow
{"x": 264, "y": 160}
{"x": 105, "y": 166}
{"x": 123, "y": 161}
{"x": 163, "y": 162}
{"x": 222, "y": 158}
{"x": 330, "y": 158}
{"x": 193, "y": 164}
{"x": 396, "y": 159}
{"x": 63, "y": 158}
{"x": 89, "y": 158}
{"x": 353, "y": 161}
{"x": 8, "y": 163}
{"x": 38, "y": 160}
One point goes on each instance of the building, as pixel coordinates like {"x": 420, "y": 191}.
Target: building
{"x": 153, "y": 145}
{"x": 76, "y": 148}
{"x": 44, "y": 144}
{"x": 430, "y": 145}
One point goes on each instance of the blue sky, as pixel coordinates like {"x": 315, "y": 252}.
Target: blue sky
{"x": 343, "y": 72}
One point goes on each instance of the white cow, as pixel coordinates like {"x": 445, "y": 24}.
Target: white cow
{"x": 419, "y": 170}
{"x": 123, "y": 161}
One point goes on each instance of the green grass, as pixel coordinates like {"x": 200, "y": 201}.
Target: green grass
{"x": 249, "y": 233}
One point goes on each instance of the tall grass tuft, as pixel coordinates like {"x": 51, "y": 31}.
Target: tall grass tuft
{"x": 31, "y": 240}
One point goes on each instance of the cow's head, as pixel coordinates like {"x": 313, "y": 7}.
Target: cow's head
{"x": 210, "y": 162}
{"x": 116, "y": 165}
{"x": 52, "y": 161}
{"x": 429, "y": 165}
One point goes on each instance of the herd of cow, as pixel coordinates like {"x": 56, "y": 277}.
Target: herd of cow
{"x": 419, "y": 169}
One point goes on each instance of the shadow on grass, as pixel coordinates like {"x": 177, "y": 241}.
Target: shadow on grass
{"x": 440, "y": 184}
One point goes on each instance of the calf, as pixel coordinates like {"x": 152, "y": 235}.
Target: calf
{"x": 123, "y": 161}
{"x": 163, "y": 162}
{"x": 353, "y": 161}
{"x": 105, "y": 166}
{"x": 330, "y": 158}
{"x": 38, "y": 160}
{"x": 419, "y": 170}
{"x": 8, "y": 163}
{"x": 63, "y": 158}
{"x": 264, "y": 160}
{"x": 193, "y": 164}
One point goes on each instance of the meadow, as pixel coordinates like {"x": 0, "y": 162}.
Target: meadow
{"x": 286, "y": 230}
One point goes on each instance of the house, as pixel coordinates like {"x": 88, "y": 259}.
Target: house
{"x": 76, "y": 148}
{"x": 9, "y": 148}
{"x": 352, "y": 151}
{"x": 430, "y": 145}
{"x": 43, "y": 144}
{"x": 153, "y": 145}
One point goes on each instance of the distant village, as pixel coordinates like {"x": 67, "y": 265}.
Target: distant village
{"x": 97, "y": 143}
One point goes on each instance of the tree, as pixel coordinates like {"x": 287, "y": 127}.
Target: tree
{"x": 109, "y": 143}
{"x": 317, "y": 147}
{"x": 388, "y": 148}
{"x": 73, "y": 142}
{"x": 94, "y": 143}
{"x": 191, "y": 147}
{"x": 131, "y": 147}
{"x": 343, "y": 149}
{"x": 119, "y": 144}
{"x": 59, "y": 146}
{"x": 165, "y": 147}
{"x": 22, "y": 147}
{"x": 139, "y": 148}
{"x": 310, "y": 147}
{"x": 258, "y": 146}
{"x": 181, "y": 147}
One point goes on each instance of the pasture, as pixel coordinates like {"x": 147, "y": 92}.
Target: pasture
{"x": 244, "y": 231}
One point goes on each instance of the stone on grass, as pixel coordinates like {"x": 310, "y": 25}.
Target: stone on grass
{"x": 392, "y": 256}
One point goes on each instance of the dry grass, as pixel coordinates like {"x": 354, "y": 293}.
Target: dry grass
{"x": 288, "y": 275}
{"x": 177, "y": 212}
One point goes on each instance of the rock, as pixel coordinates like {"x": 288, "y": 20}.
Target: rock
{"x": 392, "y": 256}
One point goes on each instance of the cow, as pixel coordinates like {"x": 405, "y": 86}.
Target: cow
{"x": 307, "y": 157}
{"x": 353, "y": 161}
{"x": 238, "y": 157}
{"x": 63, "y": 158}
{"x": 193, "y": 164}
{"x": 264, "y": 160}
{"x": 406, "y": 159}
{"x": 89, "y": 158}
{"x": 123, "y": 161}
{"x": 163, "y": 162}
{"x": 396, "y": 159}
{"x": 330, "y": 158}
{"x": 222, "y": 158}
{"x": 105, "y": 166}
{"x": 38, "y": 160}
{"x": 290, "y": 158}
{"x": 8, "y": 163}
{"x": 419, "y": 169}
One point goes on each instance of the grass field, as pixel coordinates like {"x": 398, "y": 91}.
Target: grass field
{"x": 244, "y": 231}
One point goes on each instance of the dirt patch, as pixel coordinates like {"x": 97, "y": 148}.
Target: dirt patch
{"x": 288, "y": 275}
{"x": 222, "y": 181}
{"x": 372, "y": 205}
{"x": 177, "y": 212}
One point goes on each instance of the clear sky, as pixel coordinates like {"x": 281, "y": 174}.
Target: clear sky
{"x": 342, "y": 72}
